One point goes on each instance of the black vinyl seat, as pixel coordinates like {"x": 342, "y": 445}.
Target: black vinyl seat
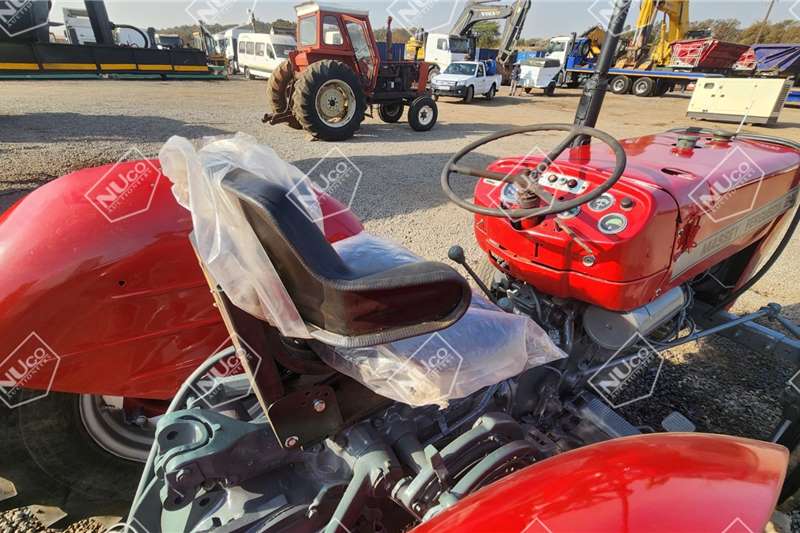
{"x": 345, "y": 305}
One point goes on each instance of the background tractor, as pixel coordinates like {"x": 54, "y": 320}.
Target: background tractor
{"x": 336, "y": 72}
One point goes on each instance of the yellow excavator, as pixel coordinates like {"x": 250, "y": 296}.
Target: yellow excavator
{"x": 644, "y": 52}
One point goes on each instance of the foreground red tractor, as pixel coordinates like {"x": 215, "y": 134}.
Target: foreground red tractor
{"x": 326, "y": 84}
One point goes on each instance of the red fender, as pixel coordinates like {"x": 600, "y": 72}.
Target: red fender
{"x": 123, "y": 305}
{"x": 667, "y": 482}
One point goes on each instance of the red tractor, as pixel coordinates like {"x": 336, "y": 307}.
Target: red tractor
{"x": 336, "y": 72}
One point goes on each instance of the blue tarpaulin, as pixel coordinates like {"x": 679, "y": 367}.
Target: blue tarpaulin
{"x": 784, "y": 58}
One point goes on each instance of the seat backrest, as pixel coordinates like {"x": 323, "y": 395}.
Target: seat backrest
{"x": 354, "y": 308}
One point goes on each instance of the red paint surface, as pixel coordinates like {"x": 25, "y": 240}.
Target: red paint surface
{"x": 660, "y": 483}
{"x": 634, "y": 266}
{"x": 124, "y": 305}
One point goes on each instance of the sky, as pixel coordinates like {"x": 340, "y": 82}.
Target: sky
{"x": 547, "y": 17}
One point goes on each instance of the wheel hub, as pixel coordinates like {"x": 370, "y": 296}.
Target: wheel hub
{"x": 336, "y": 103}
{"x": 106, "y": 423}
{"x": 425, "y": 115}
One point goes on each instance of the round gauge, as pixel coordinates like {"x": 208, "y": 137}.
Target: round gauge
{"x": 509, "y": 194}
{"x": 602, "y": 202}
{"x": 612, "y": 223}
{"x": 572, "y": 213}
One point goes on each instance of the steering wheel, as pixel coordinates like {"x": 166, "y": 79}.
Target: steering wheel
{"x": 528, "y": 181}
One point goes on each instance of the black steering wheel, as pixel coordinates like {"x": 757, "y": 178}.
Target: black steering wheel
{"x": 528, "y": 181}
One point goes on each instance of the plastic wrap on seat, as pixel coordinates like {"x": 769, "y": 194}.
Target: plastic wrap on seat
{"x": 224, "y": 239}
{"x": 485, "y": 347}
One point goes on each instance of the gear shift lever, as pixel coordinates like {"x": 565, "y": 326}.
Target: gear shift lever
{"x": 456, "y": 254}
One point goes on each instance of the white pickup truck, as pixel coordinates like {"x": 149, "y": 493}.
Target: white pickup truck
{"x": 465, "y": 79}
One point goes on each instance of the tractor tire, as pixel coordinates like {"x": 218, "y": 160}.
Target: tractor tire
{"x": 470, "y": 95}
{"x": 423, "y": 113}
{"x": 644, "y": 87}
{"x": 620, "y": 85}
{"x": 391, "y": 113}
{"x": 328, "y": 101}
{"x": 54, "y": 433}
{"x": 491, "y": 94}
{"x": 277, "y": 87}
{"x": 432, "y": 73}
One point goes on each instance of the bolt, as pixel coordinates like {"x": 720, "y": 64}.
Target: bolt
{"x": 319, "y": 405}
{"x": 291, "y": 442}
{"x": 589, "y": 261}
{"x": 182, "y": 475}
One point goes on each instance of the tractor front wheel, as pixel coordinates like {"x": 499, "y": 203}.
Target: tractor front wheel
{"x": 391, "y": 113}
{"x": 328, "y": 100}
{"x": 423, "y": 113}
{"x": 278, "y": 91}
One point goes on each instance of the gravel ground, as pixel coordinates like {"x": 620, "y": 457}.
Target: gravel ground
{"x": 50, "y": 128}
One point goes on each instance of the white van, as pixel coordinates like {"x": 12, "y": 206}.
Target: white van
{"x": 261, "y": 53}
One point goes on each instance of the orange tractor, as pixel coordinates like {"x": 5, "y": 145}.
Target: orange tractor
{"x": 336, "y": 72}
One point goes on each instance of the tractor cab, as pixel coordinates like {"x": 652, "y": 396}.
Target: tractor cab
{"x": 326, "y": 85}
{"x": 329, "y": 31}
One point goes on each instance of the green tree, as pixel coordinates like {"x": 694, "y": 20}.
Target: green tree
{"x": 487, "y": 34}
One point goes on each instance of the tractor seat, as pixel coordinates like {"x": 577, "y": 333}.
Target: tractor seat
{"x": 346, "y": 305}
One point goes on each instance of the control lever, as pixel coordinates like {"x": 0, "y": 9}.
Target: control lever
{"x": 456, "y": 254}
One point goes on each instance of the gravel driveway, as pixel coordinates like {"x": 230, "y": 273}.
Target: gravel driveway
{"x": 50, "y": 128}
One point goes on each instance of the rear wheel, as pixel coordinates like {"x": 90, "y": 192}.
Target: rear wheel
{"x": 277, "y": 90}
{"x": 528, "y": 90}
{"x": 470, "y": 94}
{"x": 620, "y": 85}
{"x": 550, "y": 90}
{"x": 423, "y": 113}
{"x": 644, "y": 87}
{"x": 248, "y": 74}
{"x": 391, "y": 113}
{"x": 329, "y": 102}
{"x": 492, "y": 92}
{"x": 83, "y": 443}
